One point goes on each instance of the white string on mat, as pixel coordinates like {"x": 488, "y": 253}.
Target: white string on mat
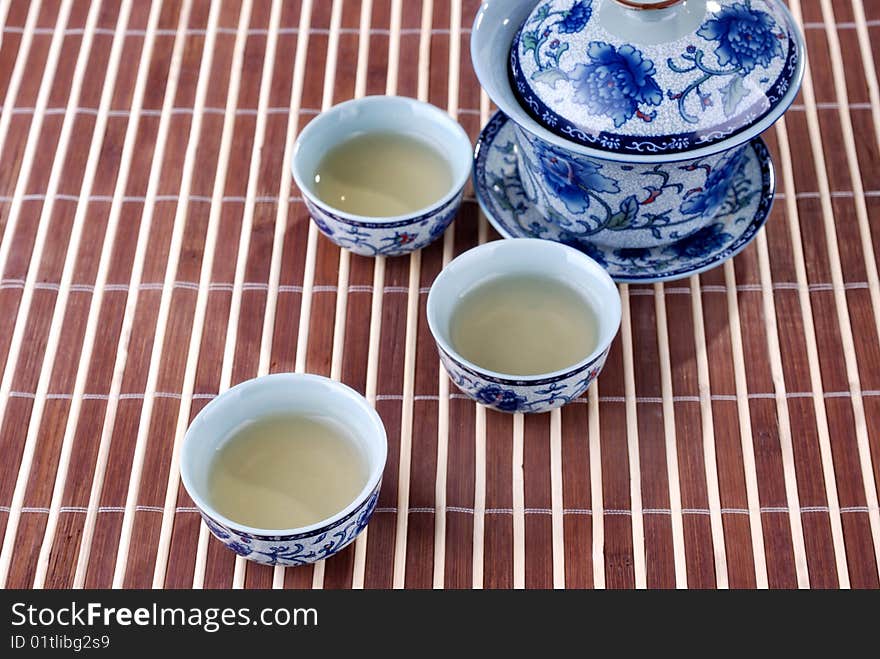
{"x": 707, "y": 420}
{"x": 9, "y": 102}
{"x": 342, "y": 286}
{"x": 632, "y": 442}
{"x": 465, "y": 510}
{"x": 361, "y": 543}
{"x": 140, "y": 255}
{"x": 24, "y": 307}
{"x": 302, "y": 342}
{"x": 747, "y": 444}
{"x": 852, "y": 159}
{"x": 65, "y": 287}
{"x": 670, "y": 439}
{"x": 452, "y": 84}
{"x": 200, "y": 313}
{"x": 479, "y": 541}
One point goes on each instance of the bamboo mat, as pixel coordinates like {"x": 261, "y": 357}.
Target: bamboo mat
{"x": 154, "y": 252}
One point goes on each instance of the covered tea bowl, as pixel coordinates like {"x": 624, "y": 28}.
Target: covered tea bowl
{"x": 632, "y": 121}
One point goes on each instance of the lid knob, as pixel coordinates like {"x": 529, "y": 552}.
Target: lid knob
{"x": 649, "y": 4}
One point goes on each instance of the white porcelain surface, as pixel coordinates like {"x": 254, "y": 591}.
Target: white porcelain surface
{"x": 659, "y": 25}
{"x": 272, "y": 394}
{"x": 386, "y": 236}
{"x": 523, "y": 256}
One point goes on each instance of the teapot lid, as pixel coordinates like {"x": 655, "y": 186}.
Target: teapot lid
{"x": 656, "y": 76}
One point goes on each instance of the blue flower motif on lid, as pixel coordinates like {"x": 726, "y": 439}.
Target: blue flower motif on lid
{"x": 616, "y": 82}
{"x": 576, "y": 18}
{"x": 745, "y": 37}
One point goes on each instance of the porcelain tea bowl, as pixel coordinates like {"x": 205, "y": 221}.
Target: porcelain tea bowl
{"x": 382, "y": 236}
{"x": 523, "y": 257}
{"x": 265, "y": 396}
{"x": 632, "y": 117}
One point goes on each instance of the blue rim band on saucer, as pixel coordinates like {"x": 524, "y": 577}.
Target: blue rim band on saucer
{"x": 499, "y": 192}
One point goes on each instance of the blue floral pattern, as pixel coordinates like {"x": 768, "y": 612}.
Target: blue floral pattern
{"x": 582, "y": 82}
{"x": 746, "y": 38}
{"x": 541, "y": 26}
{"x": 496, "y": 396}
{"x": 576, "y": 18}
{"x": 300, "y": 549}
{"x": 615, "y": 82}
{"x": 527, "y": 396}
{"x": 707, "y": 239}
{"x": 617, "y": 204}
{"x": 385, "y": 238}
{"x": 691, "y": 243}
{"x": 573, "y": 181}
{"x": 705, "y": 201}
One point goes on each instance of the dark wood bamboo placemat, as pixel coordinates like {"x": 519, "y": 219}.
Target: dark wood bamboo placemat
{"x": 154, "y": 252}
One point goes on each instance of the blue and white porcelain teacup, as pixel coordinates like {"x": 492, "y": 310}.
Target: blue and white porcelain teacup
{"x": 632, "y": 116}
{"x": 382, "y": 236}
{"x": 523, "y": 257}
{"x": 266, "y": 396}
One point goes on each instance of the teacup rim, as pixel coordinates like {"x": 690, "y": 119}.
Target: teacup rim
{"x": 373, "y": 480}
{"x": 440, "y": 116}
{"x": 602, "y": 345}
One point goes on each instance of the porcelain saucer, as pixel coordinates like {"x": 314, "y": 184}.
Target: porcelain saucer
{"x": 732, "y": 228}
